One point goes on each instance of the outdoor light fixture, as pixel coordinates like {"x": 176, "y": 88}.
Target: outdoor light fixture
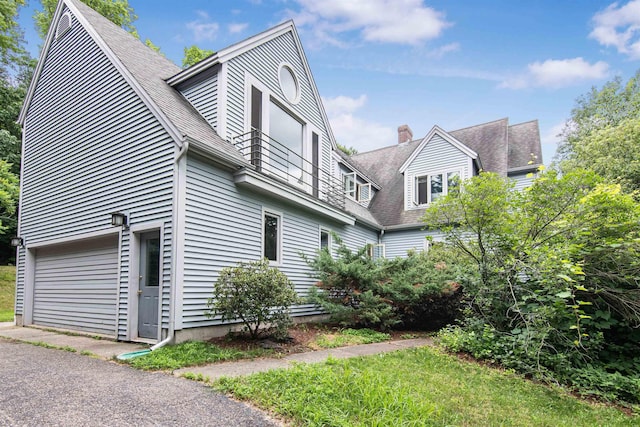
{"x": 17, "y": 241}
{"x": 118, "y": 219}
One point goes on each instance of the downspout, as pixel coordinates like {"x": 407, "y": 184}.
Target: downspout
{"x": 381, "y": 234}
{"x": 174, "y": 237}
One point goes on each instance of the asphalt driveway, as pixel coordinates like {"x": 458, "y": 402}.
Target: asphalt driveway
{"x": 40, "y": 386}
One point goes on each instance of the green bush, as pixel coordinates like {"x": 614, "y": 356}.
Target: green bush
{"x": 256, "y": 294}
{"x": 420, "y": 291}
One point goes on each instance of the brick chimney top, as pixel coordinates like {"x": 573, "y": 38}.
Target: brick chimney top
{"x": 404, "y": 134}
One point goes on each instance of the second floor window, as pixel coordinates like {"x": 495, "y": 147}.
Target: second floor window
{"x": 429, "y": 188}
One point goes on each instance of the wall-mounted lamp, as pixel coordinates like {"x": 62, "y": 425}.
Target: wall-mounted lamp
{"x": 118, "y": 219}
{"x": 17, "y": 241}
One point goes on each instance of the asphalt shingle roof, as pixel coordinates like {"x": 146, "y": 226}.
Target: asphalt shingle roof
{"x": 150, "y": 70}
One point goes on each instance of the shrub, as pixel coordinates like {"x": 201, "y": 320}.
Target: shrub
{"x": 420, "y": 291}
{"x": 256, "y": 294}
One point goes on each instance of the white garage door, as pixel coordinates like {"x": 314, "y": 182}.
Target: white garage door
{"x": 76, "y": 286}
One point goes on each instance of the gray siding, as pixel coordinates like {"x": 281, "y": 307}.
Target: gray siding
{"x": 522, "y": 181}
{"x": 224, "y": 226}
{"x": 91, "y": 148}
{"x": 437, "y": 155}
{"x": 76, "y": 286}
{"x": 203, "y": 96}
{"x": 397, "y": 243}
{"x": 263, "y": 63}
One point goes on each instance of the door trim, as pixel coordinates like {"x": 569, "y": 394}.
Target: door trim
{"x": 134, "y": 272}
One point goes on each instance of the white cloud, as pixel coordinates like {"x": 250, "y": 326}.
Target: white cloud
{"x": 235, "y": 28}
{"x": 619, "y": 26}
{"x": 556, "y": 73}
{"x": 385, "y": 21}
{"x": 353, "y": 131}
{"x": 439, "y": 52}
{"x": 552, "y": 135}
{"x": 202, "y": 28}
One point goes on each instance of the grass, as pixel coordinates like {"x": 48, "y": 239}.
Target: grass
{"x": 348, "y": 337}
{"x": 7, "y": 292}
{"x": 190, "y": 353}
{"x": 418, "y": 387}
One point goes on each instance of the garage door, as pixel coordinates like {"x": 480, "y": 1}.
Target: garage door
{"x": 76, "y": 286}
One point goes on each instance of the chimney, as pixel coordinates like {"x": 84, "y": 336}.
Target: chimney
{"x": 404, "y": 134}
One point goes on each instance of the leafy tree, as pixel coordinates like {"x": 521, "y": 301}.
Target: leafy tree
{"x": 193, "y": 54}
{"x": 9, "y": 193}
{"x": 10, "y": 35}
{"x": 256, "y": 294}
{"x": 117, "y": 11}
{"x": 559, "y": 289}
{"x": 601, "y": 129}
{"x": 349, "y": 151}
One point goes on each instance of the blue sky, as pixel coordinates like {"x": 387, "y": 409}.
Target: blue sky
{"x": 382, "y": 63}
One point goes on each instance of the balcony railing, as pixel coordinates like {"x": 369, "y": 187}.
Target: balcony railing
{"x": 272, "y": 158}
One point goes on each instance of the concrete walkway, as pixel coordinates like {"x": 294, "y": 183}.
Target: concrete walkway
{"x": 103, "y": 348}
{"x": 247, "y": 367}
{"x": 107, "y": 349}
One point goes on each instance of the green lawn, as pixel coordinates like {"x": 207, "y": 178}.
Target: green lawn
{"x": 419, "y": 387}
{"x": 7, "y": 292}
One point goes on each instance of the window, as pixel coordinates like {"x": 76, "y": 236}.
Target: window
{"x": 272, "y": 237}
{"x": 364, "y": 192}
{"x": 375, "y": 250}
{"x": 325, "y": 240}
{"x": 349, "y": 184}
{"x": 429, "y": 188}
{"x": 289, "y": 84}
{"x": 287, "y": 132}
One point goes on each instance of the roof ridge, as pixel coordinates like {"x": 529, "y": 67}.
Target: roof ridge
{"x": 524, "y": 123}
{"x": 387, "y": 147}
{"x": 481, "y": 124}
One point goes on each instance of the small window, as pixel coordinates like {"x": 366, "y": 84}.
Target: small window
{"x": 364, "y": 192}
{"x": 421, "y": 190}
{"x": 272, "y": 237}
{"x": 64, "y": 24}
{"x": 325, "y": 240}
{"x": 349, "y": 183}
{"x": 375, "y": 250}
{"x": 437, "y": 189}
{"x": 289, "y": 84}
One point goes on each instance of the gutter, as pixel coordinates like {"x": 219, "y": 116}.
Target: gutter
{"x": 171, "y": 333}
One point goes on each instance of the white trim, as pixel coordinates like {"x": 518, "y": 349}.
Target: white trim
{"x": 354, "y": 179}
{"x": 176, "y": 135}
{"x": 279, "y": 252}
{"x": 29, "y": 286}
{"x": 179, "y": 248}
{"x": 445, "y": 185}
{"x": 436, "y": 130}
{"x": 118, "y": 285}
{"x": 221, "y": 125}
{"x": 328, "y": 231}
{"x": 296, "y": 80}
{"x": 75, "y": 238}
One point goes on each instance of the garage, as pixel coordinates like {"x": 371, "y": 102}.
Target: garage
{"x": 76, "y": 286}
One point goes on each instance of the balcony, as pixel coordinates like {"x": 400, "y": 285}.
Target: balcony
{"x": 288, "y": 173}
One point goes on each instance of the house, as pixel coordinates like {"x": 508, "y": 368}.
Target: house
{"x": 141, "y": 180}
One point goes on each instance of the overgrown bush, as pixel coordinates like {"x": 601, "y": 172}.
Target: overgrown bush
{"x": 256, "y": 294}
{"x": 559, "y": 290}
{"x": 420, "y": 291}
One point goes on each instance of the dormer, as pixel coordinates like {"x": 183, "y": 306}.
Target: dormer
{"x": 435, "y": 167}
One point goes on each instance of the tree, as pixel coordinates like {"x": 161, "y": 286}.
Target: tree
{"x": 595, "y": 111}
{"x": 193, "y": 54}
{"x": 9, "y": 193}
{"x": 349, "y": 151}
{"x": 117, "y": 11}
{"x": 558, "y": 294}
{"x": 10, "y": 34}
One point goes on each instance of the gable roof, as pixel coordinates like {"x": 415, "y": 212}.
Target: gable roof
{"x": 436, "y": 130}
{"x": 490, "y": 141}
{"x": 230, "y": 52}
{"x": 145, "y": 70}
{"x": 497, "y": 146}
{"x": 525, "y": 150}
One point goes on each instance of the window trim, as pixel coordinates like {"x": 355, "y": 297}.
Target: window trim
{"x": 428, "y": 175}
{"x": 354, "y": 180}
{"x": 322, "y": 230}
{"x": 296, "y": 80}
{"x": 276, "y": 214}
{"x": 371, "y": 250}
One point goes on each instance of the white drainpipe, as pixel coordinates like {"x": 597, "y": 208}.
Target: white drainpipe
{"x": 171, "y": 333}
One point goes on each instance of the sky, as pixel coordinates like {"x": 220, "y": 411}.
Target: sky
{"x": 379, "y": 64}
